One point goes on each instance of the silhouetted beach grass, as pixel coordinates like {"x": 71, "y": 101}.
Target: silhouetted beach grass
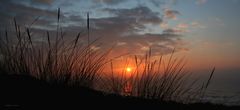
{"x": 163, "y": 79}
{"x": 66, "y": 67}
{"x": 59, "y": 60}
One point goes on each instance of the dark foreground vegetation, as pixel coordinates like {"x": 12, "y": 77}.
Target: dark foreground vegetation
{"x": 26, "y": 92}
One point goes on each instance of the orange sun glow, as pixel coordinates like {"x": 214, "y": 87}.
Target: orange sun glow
{"x": 128, "y": 69}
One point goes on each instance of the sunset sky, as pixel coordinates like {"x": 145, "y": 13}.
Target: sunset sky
{"x": 206, "y": 32}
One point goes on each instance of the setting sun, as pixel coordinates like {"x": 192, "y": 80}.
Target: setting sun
{"x": 128, "y": 69}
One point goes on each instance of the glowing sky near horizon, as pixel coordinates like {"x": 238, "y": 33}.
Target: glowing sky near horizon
{"x": 205, "y": 31}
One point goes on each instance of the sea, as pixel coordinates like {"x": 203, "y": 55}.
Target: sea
{"x": 224, "y": 87}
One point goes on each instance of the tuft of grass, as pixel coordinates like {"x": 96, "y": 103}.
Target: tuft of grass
{"x": 164, "y": 79}
{"x": 205, "y": 86}
{"x": 210, "y": 77}
{"x": 56, "y": 61}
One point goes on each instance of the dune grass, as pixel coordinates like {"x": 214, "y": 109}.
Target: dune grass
{"x": 68, "y": 62}
{"x": 60, "y": 60}
{"x": 164, "y": 79}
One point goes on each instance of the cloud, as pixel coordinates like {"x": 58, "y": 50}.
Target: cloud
{"x": 183, "y": 26}
{"x": 174, "y": 31}
{"x": 196, "y": 24}
{"x": 141, "y": 14}
{"x": 25, "y": 14}
{"x": 160, "y": 44}
{"x": 47, "y": 2}
{"x": 124, "y": 27}
{"x": 171, "y": 14}
{"x": 109, "y": 2}
{"x": 164, "y": 25}
{"x": 187, "y": 27}
{"x": 157, "y": 3}
{"x": 125, "y": 22}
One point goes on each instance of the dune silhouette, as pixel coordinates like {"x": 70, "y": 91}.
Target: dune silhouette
{"x": 25, "y": 92}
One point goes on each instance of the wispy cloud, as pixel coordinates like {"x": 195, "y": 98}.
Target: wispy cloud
{"x": 196, "y": 24}
{"x": 183, "y": 27}
{"x": 171, "y": 14}
{"x": 164, "y": 25}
